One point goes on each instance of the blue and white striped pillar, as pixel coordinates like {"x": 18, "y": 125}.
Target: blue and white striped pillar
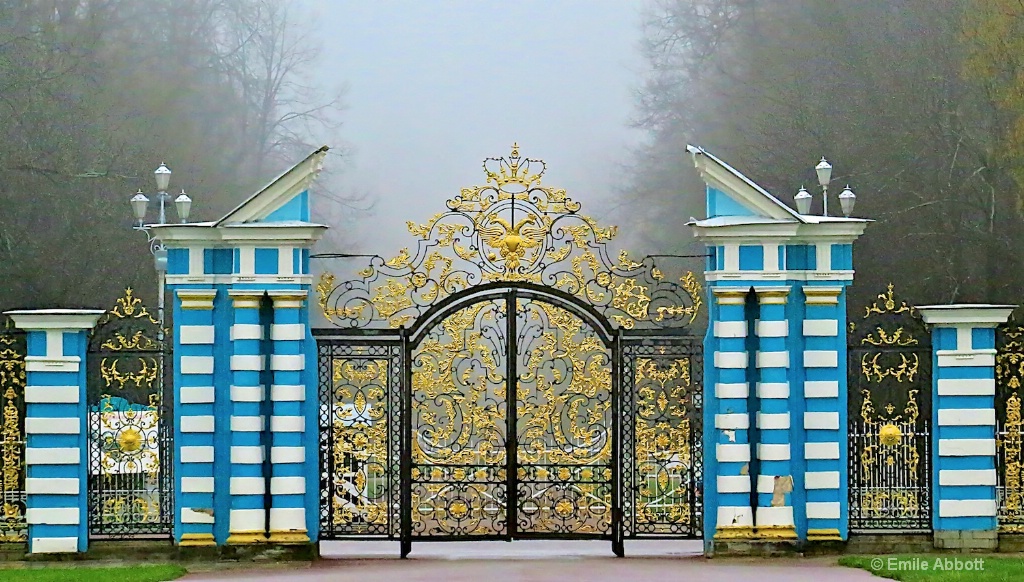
{"x": 963, "y": 380}
{"x": 194, "y": 410}
{"x": 774, "y": 517}
{"x": 287, "y": 422}
{"x": 824, "y": 358}
{"x": 734, "y": 513}
{"x": 248, "y": 515}
{"x": 56, "y": 450}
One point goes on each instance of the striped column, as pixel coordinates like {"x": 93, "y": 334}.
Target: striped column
{"x": 56, "y": 451}
{"x": 287, "y": 423}
{"x": 963, "y": 340}
{"x": 732, "y": 419}
{"x": 774, "y": 517}
{"x": 825, "y": 470}
{"x": 193, "y": 407}
{"x": 248, "y": 516}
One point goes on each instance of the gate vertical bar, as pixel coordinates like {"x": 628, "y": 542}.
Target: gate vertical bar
{"x": 511, "y": 430}
{"x": 618, "y": 382}
{"x": 405, "y": 470}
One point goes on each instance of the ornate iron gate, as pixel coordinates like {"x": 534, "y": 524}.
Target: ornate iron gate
{"x": 510, "y": 380}
{"x": 1009, "y": 441}
{"x": 131, "y": 487}
{"x": 13, "y": 527}
{"x": 889, "y": 417}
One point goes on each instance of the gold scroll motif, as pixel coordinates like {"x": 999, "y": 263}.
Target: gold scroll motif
{"x": 889, "y": 460}
{"x": 1009, "y": 371}
{"x": 663, "y": 455}
{"x": 510, "y": 229}
{"x": 359, "y": 426}
{"x": 13, "y": 527}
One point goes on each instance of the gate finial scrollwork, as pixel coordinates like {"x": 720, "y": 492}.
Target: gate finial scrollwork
{"x": 511, "y": 229}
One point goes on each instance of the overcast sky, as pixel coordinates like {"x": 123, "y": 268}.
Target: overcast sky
{"x": 435, "y": 86}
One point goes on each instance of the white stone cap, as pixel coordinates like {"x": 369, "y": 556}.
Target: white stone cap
{"x": 33, "y": 319}
{"x": 977, "y": 314}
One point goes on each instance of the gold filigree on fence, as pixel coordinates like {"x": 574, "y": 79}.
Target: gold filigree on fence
{"x": 511, "y": 229}
{"x": 1009, "y": 441}
{"x": 13, "y": 527}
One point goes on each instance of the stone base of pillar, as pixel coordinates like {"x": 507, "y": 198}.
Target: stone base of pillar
{"x": 288, "y": 537}
{"x": 776, "y": 532}
{"x": 197, "y": 540}
{"x": 757, "y": 547}
{"x": 967, "y": 540}
{"x": 824, "y": 535}
{"x": 245, "y": 538}
{"x": 734, "y": 532}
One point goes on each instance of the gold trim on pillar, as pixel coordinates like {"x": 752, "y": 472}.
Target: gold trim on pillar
{"x": 245, "y": 538}
{"x": 197, "y": 540}
{"x": 734, "y": 532}
{"x": 730, "y": 296}
{"x": 196, "y": 298}
{"x": 246, "y": 298}
{"x": 822, "y": 295}
{"x": 290, "y": 299}
{"x": 777, "y": 532}
{"x": 772, "y": 295}
{"x": 289, "y": 536}
{"x": 824, "y": 535}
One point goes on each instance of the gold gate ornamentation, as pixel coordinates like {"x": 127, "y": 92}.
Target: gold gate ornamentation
{"x": 1009, "y": 372}
{"x": 13, "y": 527}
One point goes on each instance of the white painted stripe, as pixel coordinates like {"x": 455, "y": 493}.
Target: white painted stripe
{"x": 288, "y": 362}
{"x": 821, "y": 389}
{"x": 54, "y": 545}
{"x": 37, "y": 425}
{"x": 967, "y": 508}
{"x": 975, "y": 387}
{"x": 287, "y": 455}
{"x": 197, "y": 484}
{"x": 247, "y": 423}
{"x": 776, "y": 421}
{"x": 967, "y": 417}
{"x": 766, "y": 483}
{"x": 288, "y": 393}
{"x": 252, "y": 455}
{"x": 246, "y": 331}
{"x": 196, "y": 454}
{"x": 825, "y": 451}
{"x": 248, "y": 485}
{"x": 958, "y": 477}
{"x": 732, "y": 421}
{"x": 195, "y": 364}
{"x": 967, "y": 447}
{"x": 958, "y": 359}
{"x": 247, "y": 393}
{"x": 196, "y": 334}
{"x": 197, "y": 424}
{"x": 821, "y": 480}
{"x": 53, "y": 515}
{"x": 45, "y": 364}
{"x": 736, "y": 390}
{"x": 821, "y": 359}
{"x": 288, "y": 332}
{"x": 727, "y": 453}
{"x": 735, "y": 516}
{"x": 245, "y": 520}
{"x": 287, "y": 424}
{"x": 772, "y": 359}
{"x": 768, "y": 516}
{"x": 197, "y": 394}
{"x": 771, "y": 257}
{"x": 772, "y": 328}
{"x": 964, "y": 342}
{"x": 822, "y": 510}
{"x": 821, "y": 328}
{"x": 288, "y": 519}
{"x": 54, "y": 343}
{"x": 731, "y": 258}
{"x": 52, "y": 394}
{"x": 54, "y": 456}
{"x": 773, "y": 390}
{"x": 823, "y": 257}
{"x": 52, "y": 486}
{"x": 821, "y": 420}
{"x": 287, "y": 485}
{"x": 285, "y": 258}
{"x": 773, "y": 452}
{"x": 734, "y": 484}
{"x": 730, "y": 329}
{"x": 247, "y": 363}
{"x": 189, "y": 515}
{"x": 730, "y": 360}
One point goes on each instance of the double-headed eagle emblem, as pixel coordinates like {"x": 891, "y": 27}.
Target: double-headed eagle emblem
{"x": 511, "y": 242}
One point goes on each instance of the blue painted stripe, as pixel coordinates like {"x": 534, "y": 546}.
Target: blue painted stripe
{"x": 289, "y": 501}
{"x": 964, "y": 372}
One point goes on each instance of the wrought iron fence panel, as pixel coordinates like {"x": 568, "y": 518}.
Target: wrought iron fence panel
{"x": 13, "y": 527}
{"x": 1009, "y": 375}
{"x": 889, "y": 412}
{"x": 129, "y": 423}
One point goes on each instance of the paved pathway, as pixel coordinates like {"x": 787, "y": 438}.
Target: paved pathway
{"x": 535, "y": 563}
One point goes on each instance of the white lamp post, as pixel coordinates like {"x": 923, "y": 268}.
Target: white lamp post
{"x": 824, "y": 171}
